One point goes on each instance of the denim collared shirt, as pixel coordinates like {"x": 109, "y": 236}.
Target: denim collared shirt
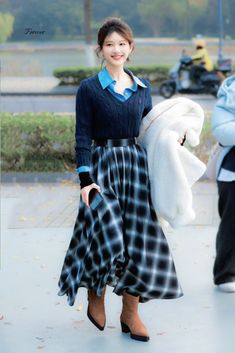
{"x": 107, "y": 82}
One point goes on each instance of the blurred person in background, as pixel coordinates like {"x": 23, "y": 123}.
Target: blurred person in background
{"x": 201, "y": 60}
{"x": 223, "y": 128}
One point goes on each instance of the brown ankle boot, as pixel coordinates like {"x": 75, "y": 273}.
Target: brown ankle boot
{"x": 96, "y": 309}
{"x": 130, "y": 320}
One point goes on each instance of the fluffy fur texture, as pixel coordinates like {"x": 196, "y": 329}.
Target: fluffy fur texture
{"x": 172, "y": 168}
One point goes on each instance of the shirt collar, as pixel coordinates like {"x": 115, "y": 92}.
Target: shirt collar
{"x": 106, "y": 79}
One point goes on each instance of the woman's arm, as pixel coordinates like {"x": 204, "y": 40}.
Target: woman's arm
{"x": 83, "y": 129}
{"x": 148, "y": 98}
{"x": 223, "y": 117}
{"x": 83, "y": 137}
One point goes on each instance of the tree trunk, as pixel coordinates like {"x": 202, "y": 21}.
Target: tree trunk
{"x": 90, "y": 57}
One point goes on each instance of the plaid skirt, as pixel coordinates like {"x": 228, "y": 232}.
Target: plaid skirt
{"x": 121, "y": 243}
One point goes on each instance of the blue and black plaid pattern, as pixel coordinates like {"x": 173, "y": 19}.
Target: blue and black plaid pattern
{"x": 121, "y": 243}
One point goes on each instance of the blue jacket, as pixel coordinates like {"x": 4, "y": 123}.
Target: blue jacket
{"x": 223, "y": 119}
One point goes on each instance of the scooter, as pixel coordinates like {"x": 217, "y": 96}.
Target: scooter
{"x": 182, "y": 78}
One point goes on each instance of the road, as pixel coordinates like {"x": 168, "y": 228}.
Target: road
{"x": 61, "y": 104}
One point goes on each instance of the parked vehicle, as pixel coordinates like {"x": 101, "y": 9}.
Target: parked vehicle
{"x": 183, "y": 78}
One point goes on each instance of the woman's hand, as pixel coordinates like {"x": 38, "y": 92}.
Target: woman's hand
{"x": 85, "y": 192}
{"x": 181, "y": 140}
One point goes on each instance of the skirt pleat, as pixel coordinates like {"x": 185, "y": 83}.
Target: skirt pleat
{"x": 121, "y": 243}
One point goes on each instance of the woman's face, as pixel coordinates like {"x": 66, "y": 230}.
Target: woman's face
{"x": 116, "y": 49}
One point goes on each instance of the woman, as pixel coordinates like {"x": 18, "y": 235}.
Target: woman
{"x": 223, "y": 128}
{"x": 120, "y": 243}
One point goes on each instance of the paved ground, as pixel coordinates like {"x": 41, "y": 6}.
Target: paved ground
{"x": 36, "y": 226}
{"x": 49, "y": 205}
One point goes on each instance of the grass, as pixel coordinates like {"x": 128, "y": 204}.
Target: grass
{"x": 207, "y": 140}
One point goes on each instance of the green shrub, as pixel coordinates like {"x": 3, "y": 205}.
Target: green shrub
{"x": 74, "y": 75}
{"x": 37, "y": 142}
{"x": 207, "y": 140}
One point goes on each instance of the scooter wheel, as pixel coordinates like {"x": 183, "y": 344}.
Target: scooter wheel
{"x": 167, "y": 90}
{"x": 214, "y": 89}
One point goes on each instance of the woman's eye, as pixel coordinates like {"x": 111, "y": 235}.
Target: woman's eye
{"x": 122, "y": 44}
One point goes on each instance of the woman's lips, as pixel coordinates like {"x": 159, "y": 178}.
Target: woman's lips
{"x": 116, "y": 57}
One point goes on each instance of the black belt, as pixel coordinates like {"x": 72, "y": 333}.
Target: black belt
{"x": 115, "y": 142}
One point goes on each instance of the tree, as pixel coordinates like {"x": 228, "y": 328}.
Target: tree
{"x": 6, "y": 26}
{"x": 193, "y": 18}
{"x": 87, "y": 32}
{"x": 60, "y": 19}
{"x": 126, "y": 9}
{"x": 169, "y": 17}
{"x": 157, "y": 14}
{"x": 229, "y": 10}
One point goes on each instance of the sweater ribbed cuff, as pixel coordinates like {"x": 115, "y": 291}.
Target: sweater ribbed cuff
{"x": 85, "y": 179}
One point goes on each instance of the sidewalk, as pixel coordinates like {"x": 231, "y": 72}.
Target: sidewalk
{"x": 43, "y": 86}
{"x": 43, "y": 203}
{"x": 37, "y": 221}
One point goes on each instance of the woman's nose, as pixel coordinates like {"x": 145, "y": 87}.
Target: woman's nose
{"x": 116, "y": 48}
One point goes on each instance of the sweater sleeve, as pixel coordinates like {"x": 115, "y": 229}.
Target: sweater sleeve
{"x": 83, "y": 129}
{"x": 225, "y": 131}
{"x": 148, "y": 99}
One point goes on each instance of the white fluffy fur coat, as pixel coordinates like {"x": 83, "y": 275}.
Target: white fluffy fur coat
{"x": 172, "y": 168}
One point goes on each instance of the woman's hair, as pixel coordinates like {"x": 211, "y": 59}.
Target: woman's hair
{"x": 113, "y": 24}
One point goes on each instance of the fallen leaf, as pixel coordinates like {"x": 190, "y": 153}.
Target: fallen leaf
{"x": 23, "y": 219}
{"x": 78, "y": 322}
{"x": 1, "y": 317}
{"x": 40, "y": 347}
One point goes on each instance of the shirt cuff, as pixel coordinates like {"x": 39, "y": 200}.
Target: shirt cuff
{"x": 83, "y": 168}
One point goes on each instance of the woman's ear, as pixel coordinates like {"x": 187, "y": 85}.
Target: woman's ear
{"x": 131, "y": 48}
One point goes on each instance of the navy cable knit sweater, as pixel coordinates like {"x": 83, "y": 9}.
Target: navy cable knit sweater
{"x": 100, "y": 115}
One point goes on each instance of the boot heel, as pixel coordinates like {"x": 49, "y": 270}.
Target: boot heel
{"x": 125, "y": 328}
